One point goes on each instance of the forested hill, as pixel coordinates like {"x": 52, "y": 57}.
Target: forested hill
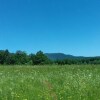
{"x": 61, "y": 56}
{"x": 22, "y": 58}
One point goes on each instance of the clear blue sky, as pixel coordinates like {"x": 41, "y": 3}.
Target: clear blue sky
{"x": 68, "y": 26}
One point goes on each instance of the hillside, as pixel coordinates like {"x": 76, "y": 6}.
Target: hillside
{"x": 60, "y": 56}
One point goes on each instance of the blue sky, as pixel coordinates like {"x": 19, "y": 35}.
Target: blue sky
{"x": 68, "y": 26}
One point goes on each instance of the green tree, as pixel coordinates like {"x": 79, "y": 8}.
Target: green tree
{"x": 32, "y": 59}
{"x": 11, "y": 59}
{"x": 4, "y": 54}
{"x": 21, "y": 57}
{"x": 40, "y": 58}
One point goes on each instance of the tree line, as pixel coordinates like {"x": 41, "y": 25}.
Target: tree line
{"x": 22, "y": 58}
{"x": 79, "y": 61}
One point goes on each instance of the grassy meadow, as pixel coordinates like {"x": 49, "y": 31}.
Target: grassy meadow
{"x": 68, "y": 82}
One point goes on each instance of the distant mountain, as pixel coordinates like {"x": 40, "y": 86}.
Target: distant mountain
{"x": 60, "y": 56}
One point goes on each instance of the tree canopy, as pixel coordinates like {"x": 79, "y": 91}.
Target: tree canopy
{"x": 22, "y": 58}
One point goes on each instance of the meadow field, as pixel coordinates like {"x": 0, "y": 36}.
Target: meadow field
{"x": 68, "y": 82}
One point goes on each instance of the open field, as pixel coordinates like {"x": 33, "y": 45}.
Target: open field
{"x": 69, "y": 82}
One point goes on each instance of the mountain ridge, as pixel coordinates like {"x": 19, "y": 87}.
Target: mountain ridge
{"x": 61, "y": 56}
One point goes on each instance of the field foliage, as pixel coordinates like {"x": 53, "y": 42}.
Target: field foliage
{"x": 67, "y": 82}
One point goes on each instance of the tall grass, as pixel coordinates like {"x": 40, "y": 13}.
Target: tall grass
{"x": 69, "y": 82}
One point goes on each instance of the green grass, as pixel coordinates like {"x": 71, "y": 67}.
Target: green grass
{"x": 70, "y": 82}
